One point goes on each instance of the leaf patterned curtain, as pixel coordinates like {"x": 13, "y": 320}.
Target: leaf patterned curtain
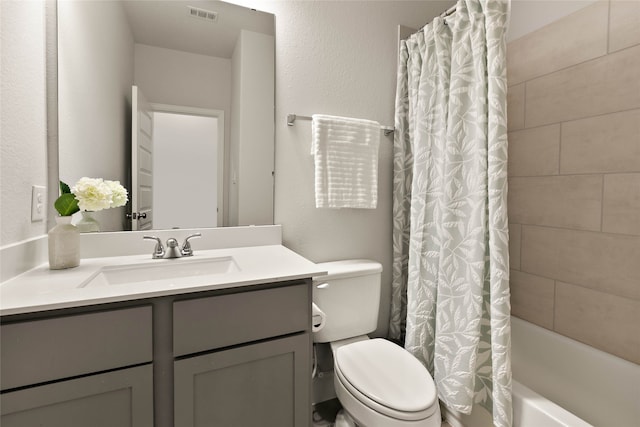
{"x": 450, "y": 291}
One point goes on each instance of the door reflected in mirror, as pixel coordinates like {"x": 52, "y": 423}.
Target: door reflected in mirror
{"x": 193, "y": 72}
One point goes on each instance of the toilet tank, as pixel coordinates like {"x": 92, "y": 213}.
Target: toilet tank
{"x": 349, "y": 295}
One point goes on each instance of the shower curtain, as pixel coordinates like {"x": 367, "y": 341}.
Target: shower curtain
{"x": 451, "y": 262}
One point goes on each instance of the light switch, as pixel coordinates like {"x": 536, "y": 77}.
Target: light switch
{"x": 38, "y": 202}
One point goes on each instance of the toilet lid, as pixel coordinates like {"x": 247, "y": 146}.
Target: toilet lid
{"x": 387, "y": 374}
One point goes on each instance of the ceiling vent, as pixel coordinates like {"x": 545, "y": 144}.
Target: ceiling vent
{"x": 207, "y": 15}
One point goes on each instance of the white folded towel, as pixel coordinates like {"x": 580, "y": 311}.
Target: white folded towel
{"x": 346, "y": 161}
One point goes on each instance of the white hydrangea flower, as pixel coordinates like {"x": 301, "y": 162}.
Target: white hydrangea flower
{"x": 93, "y": 194}
{"x": 118, "y": 194}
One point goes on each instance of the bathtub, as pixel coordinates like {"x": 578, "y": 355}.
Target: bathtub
{"x": 581, "y": 385}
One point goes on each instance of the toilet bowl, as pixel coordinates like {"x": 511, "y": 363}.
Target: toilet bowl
{"x": 378, "y": 383}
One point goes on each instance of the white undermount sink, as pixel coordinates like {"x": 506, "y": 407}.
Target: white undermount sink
{"x": 172, "y": 271}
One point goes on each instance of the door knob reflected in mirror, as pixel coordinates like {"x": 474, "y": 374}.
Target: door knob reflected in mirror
{"x": 136, "y": 215}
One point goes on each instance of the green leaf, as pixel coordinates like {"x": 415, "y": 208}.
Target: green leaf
{"x": 66, "y": 204}
{"x": 64, "y": 188}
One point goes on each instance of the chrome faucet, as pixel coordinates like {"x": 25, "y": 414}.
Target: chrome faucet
{"x": 173, "y": 250}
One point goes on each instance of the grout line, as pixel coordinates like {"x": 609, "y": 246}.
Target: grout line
{"x": 567, "y": 67}
{"x": 602, "y": 205}
{"x": 524, "y": 106}
{"x": 521, "y": 246}
{"x": 535, "y": 127}
{"x": 575, "y": 174}
{"x": 560, "y": 151}
{"x": 578, "y": 230}
{"x": 553, "y": 317}
{"x": 598, "y": 290}
{"x": 577, "y": 119}
{"x": 595, "y": 58}
{"x": 579, "y": 285}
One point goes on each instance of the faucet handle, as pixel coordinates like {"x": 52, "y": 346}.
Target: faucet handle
{"x": 186, "y": 247}
{"x": 158, "y": 252}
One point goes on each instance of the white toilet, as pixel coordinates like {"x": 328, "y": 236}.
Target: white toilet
{"x": 378, "y": 383}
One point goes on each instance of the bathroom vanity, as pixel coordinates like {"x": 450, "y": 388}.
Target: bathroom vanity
{"x": 233, "y": 350}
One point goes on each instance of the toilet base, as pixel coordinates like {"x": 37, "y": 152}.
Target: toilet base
{"x": 343, "y": 419}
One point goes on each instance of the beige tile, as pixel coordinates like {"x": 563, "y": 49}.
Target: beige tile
{"x": 601, "y": 261}
{"x": 557, "y": 201}
{"x": 571, "y": 40}
{"x": 514, "y": 245}
{"x": 608, "y": 143}
{"x": 534, "y": 151}
{"x": 515, "y": 107}
{"x": 604, "y": 321}
{"x": 532, "y": 298}
{"x": 600, "y": 86}
{"x": 624, "y": 28}
{"x": 621, "y": 210}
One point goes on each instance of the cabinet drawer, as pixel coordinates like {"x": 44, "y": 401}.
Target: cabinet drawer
{"x": 208, "y": 323}
{"x": 118, "y": 398}
{"x": 37, "y": 351}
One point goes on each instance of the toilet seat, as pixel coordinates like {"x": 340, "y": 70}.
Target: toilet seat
{"x": 387, "y": 379}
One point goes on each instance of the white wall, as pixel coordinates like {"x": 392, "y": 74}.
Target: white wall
{"x": 252, "y": 151}
{"x": 95, "y": 74}
{"x": 336, "y": 57}
{"x": 22, "y": 117}
{"x": 174, "y": 77}
{"x": 185, "y": 159}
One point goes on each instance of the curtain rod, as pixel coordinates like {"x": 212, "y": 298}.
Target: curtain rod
{"x": 444, "y": 14}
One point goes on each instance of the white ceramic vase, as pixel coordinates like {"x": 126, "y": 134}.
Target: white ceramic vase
{"x": 64, "y": 244}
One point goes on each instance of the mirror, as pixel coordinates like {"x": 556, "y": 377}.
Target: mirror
{"x": 206, "y": 70}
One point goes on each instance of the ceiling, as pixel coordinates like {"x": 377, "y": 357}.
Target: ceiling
{"x": 168, "y": 24}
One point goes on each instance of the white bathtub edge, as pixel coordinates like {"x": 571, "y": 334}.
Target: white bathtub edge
{"x": 533, "y": 410}
{"x": 529, "y": 410}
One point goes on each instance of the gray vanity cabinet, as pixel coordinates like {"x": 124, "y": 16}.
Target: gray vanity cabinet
{"x": 243, "y": 359}
{"x": 91, "y": 369}
{"x": 229, "y": 357}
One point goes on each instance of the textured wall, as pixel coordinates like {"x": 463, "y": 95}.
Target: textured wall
{"x": 23, "y": 117}
{"x": 338, "y": 58}
{"x": 574, "y": 166}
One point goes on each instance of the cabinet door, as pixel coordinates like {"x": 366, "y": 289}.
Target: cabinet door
{"x": 120, "y": 398}
{"x": 263, "y": 384}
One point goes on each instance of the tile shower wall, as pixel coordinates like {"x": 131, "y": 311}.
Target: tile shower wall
{"x": 574, "y": 176}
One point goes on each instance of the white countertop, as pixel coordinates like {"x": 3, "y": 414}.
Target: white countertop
{"x": 43, "y": 289}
